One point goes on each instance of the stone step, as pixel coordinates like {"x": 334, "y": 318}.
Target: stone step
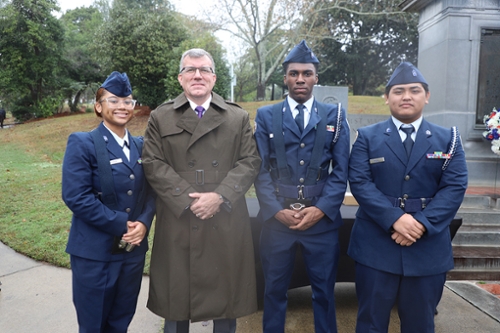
{"x": 479, "y": 234}
{"x": 478, "y": 202}
{"x": 479, "y": 216}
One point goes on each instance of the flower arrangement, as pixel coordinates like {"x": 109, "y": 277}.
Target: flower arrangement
{"x": 492, "y": 122}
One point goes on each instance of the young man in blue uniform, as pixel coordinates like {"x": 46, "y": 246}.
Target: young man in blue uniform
{"x": 409, "y": 188}
{"x": 304, "y": 146}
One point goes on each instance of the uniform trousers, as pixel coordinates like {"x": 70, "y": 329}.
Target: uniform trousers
{"x": 105, "y": 293}
{"x": 220, "y": 326}
{"x": 416, "y": 297}
{"x": 321, "y": 253}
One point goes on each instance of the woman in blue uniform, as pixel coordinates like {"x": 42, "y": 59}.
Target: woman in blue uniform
{"x": 104, "y": 186}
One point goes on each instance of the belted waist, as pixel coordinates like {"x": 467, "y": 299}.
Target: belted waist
{"x": 299, "y": 191}
{"x": 201, "y": 177}
{"x": 410, "y": 205}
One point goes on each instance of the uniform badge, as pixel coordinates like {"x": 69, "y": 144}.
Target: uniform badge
{"x": 139, "y": 161}
{"x": 438, "y": 155}
{"x": 330, "y": 128}
{"x": 427, "y": 132}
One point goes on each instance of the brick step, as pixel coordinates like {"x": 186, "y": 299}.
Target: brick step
{"x": 481, "y": 235}
{"x": 477, "y": 258}
{"x": 457, "y": 274}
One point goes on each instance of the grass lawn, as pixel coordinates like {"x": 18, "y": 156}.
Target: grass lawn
{"x": 33, "y": 218}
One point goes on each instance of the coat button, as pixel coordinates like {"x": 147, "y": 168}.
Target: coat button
{"x": 302, "y": 145}
{"x": 128, "y": 210}
{"x": 407, "y": 177}
{"x": 129, "y": 192}
{"x": 301, "y": 162}
{"x": 215, "y": 163}
{"x": 301, "y": 180}
{"x": 405, "y": 196}
{"x": 131, "y": 177}
{"x": 195, "y": 227}
{"x": 191, "y": 163}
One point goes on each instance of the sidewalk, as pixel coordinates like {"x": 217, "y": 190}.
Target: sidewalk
{"x": 36, "y": 297}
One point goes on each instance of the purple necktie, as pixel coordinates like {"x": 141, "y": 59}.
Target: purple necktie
{"x": 200, "y": 110}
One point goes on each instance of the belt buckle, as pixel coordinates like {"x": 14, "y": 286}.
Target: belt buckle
{"x": 199, "y": 178}
{"x": 402, "y": 203}
{"x": 297, "y": 206}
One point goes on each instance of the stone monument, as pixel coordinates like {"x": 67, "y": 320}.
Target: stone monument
{"x": 459, "y": 54}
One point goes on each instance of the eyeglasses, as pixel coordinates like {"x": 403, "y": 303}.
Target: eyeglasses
{"x": 192, "y": 70}
{"x": 128, "y": 103}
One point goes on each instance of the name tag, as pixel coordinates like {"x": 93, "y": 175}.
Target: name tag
{"x": 116, "y": 161}
{"x": 377, "y": 160}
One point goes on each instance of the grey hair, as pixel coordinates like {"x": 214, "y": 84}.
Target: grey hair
{"x": 196, "y": 53}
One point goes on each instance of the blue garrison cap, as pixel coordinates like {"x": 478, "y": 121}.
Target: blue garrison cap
{"x": 118, "y": 84}
{"x": 301, "y": 53}
{"x": 406, "y": 73}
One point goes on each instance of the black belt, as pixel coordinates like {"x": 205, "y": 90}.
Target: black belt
{"x": 299, "y": 191}
{"x": 410, "y": 205}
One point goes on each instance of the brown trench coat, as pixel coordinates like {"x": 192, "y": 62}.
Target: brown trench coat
{"x": 201, "y": 269}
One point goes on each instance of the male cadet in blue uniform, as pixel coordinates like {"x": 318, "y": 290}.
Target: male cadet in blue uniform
{"x": 409, "y": 188}
{"x": 300, "y": 188}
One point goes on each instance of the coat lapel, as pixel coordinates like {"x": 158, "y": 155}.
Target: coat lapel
{"x": 394, "y": 142}
{"x": 212, "y": 118}
{"x": 313, "y": 121}
{"x": 288, "y": 120}
{"x": 421, "y": 146}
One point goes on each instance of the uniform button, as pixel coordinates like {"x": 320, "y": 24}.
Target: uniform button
{"x": 129, "y": 192}
{"x": 302, "y": 145}
{"x": 177, "y": 190}
{"x": 405, "y": 196}
{"x": 132, "y": 177}
{"x": 237, "y": 187}
{"x": 215, "y": 163}
{"x": 195, "y": 227}
{"x": 407, "y": 177}
{"x": 301, "y": 162}
{"x": 191, "y": 163}
{"x": 301, "y": 180}
{"x": 128, "y": 210}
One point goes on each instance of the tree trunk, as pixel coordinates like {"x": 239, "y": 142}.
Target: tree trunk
{"x": 261, "y": 91}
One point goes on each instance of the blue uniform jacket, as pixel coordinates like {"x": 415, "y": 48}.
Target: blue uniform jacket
{"x": 298, "y": 148}
{"x": 378, "y": 168}
{"x": 94, "y": 226}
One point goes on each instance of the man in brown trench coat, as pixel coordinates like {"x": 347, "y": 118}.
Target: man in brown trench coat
{"x": 200, "y": 157}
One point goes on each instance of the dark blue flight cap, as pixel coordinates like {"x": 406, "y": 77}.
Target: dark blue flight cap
{"x": 406, "y": 73}
{"x": 118, "y": 84}
{"x": 301, "y": 53}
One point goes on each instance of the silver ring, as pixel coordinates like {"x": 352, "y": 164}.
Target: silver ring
{"x": 198, "y": 215}
{"x": 211, "y": 216}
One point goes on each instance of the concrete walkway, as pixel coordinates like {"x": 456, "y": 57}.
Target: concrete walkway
{"x": 36, "y": 297}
